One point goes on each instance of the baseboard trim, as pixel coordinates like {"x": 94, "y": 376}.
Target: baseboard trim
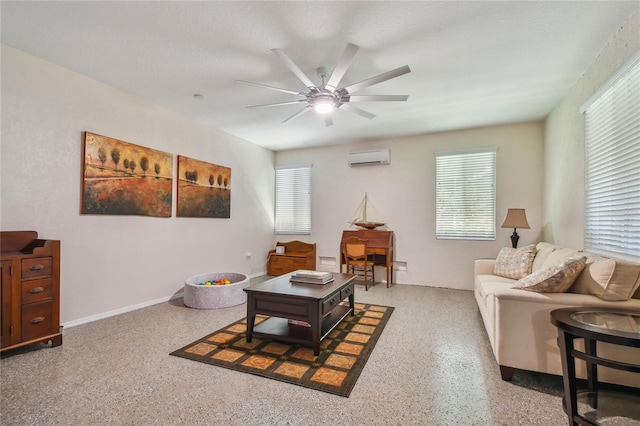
{"x": 130, "y": 308}
{"x": 119, "y": 311}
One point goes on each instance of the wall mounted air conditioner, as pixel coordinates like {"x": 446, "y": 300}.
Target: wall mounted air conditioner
{"x": 372, "y": 157}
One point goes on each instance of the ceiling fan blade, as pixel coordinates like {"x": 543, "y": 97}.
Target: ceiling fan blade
{"x": 342, "y": 66}
{"x": 357, "y": 111}
{"x": 377, "y": 79}
{"x": 298, "y": 114}
{"x": 294, "y": 68}
{"x": 328, "y": 121}
{"x": 377, "y": 98}
{"x": 298, "y": 101}
{"x": 271, "y": 87}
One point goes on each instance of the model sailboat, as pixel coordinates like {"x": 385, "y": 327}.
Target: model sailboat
{"x": 365, "y": 215}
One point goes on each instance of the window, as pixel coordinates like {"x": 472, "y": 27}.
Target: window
{"x": 466, "y": 194}
{"x": 293, "y": 200}
{"x": 612, "y": 169}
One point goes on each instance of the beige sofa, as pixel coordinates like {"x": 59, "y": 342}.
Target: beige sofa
{"x": 518, "y": 322}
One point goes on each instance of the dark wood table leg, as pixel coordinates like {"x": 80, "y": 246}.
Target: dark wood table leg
{"x": 352, "y": 303}
{"x": 251, "y": 318}
{"x": 316, "y": 328}
{"x": 565, "y": 343}
{"x": 592, "y": 372}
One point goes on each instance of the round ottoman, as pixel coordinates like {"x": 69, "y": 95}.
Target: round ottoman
{"x": 215, "y": 296}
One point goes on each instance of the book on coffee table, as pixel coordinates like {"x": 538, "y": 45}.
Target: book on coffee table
{"x": 311, "y": 277}
{"x": 309, "y": 280}
{"x": 304, "y": 273}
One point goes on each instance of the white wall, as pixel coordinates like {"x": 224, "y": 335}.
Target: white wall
{"x": 109, "y": 263}
{"x": 565, "y": 141}
{"x": 404, "y": 194}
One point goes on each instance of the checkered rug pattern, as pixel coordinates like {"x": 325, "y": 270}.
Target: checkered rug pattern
{"x": 343, "y": 353}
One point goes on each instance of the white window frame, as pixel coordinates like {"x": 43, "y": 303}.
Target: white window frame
{"x": 293, "y": 200}
{"x": 612, "y": 166}
{"x": 466, "y": 194}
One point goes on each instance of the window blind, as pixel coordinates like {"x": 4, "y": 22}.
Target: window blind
{"x": 612, "y": 172}
{"x": 293, "y": 200}
{"x": 466, "y": 194}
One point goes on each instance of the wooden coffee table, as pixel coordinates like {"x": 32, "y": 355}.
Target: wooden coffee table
{"x": 318, "y": 305}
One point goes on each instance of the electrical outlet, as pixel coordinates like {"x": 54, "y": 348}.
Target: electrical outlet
{"x": 248, "y": 255}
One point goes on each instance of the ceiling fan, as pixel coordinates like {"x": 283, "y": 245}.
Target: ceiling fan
{"x": 326, "y": 97}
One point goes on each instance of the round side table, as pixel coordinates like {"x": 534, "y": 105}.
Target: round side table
{"x": 618, "y": 327}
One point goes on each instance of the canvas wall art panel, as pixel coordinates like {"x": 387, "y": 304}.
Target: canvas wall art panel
{"x": 204, "y": 189}
{"x": 121, "y": 178}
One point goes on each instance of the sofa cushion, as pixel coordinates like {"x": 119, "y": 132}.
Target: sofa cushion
{"x": 491, "y": 283}
{"x": 554, "y": 279}
{"x": 543, "y": 250}
{"x": 515, "y": 263}
{"x": 608, "y": 279}
{"x": 557, "y": 256}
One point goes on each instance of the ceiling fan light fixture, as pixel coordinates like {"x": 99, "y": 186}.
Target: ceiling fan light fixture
{"x": 324, "y": 104}
{"x": 323, "y": 107}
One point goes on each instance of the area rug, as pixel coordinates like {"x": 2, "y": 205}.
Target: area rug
{"x": 343, "y": 353}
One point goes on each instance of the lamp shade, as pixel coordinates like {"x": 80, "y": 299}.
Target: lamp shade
{"x": 516, "y": 218}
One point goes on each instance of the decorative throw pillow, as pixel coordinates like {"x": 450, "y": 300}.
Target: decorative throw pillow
{"x": 515, "y": 263}
{"x": 555, "y": 279}
{"x": 543, "y": 250}
{"x": 557, "y": 256}
{"x": 608, "y": 279}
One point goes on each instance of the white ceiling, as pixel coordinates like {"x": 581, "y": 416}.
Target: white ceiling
{"x": 473, "y": 63}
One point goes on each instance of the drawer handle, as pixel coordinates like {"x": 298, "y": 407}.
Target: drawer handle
{"x": 36, "y": 320}
{"x": 36, "y": 290}
{"x": 332, "y": 301}
{"x": 348, "y": 290}
{"x": 36, "y": 267}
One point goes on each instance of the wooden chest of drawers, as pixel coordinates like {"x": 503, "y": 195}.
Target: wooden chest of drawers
{"x": 30, "y": 290}
{"x": 280, "y": 264}
{"x": 297, "y": 255}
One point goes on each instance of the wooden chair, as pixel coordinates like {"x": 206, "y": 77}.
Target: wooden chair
{"x": 357, "y": 260}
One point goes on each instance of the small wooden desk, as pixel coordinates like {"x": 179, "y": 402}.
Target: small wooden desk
{"x": 379, "y": 245}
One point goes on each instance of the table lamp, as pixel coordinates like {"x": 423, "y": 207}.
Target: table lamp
{"x": 516, "y": 218}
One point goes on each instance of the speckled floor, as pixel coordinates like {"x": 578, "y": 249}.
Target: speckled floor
{"x": 432, "y": 366}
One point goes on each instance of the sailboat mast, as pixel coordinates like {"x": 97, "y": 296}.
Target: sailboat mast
{"x": 365, "y": 207}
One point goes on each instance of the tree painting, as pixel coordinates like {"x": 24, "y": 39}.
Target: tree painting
{"x": 115, "y": 156}
{"x": 144, "y": 165}
{"x": 203, "y": 189}
{"x": 109, "y": 189}
{"x": 102, "y": 155}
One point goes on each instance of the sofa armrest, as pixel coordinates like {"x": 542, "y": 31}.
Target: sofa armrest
{"x": 483, "y": 267}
